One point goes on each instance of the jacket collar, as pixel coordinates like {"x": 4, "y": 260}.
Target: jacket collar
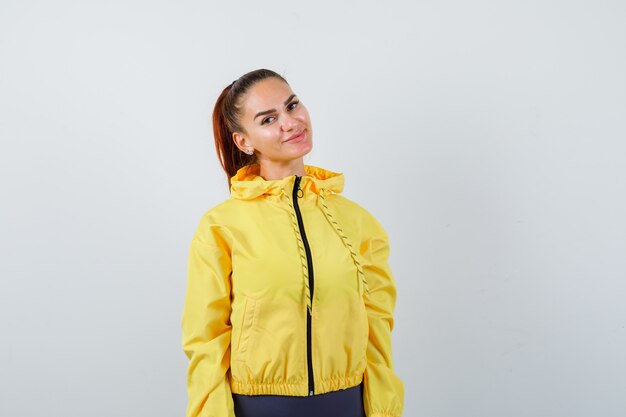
{"x": 247, "y": 184}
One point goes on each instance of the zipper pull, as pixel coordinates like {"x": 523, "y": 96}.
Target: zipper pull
{"x": 296, "y": 184}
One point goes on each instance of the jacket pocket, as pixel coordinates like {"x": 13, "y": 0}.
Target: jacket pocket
{"x": 246, "y": 328}
{"x": 365, "y": 326}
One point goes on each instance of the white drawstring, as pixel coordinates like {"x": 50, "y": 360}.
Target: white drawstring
{"x": 361, "y": 279}
{"x": 303, "y": 260}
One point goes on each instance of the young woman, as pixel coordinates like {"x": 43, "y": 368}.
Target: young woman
{"x": 289, "y": 302}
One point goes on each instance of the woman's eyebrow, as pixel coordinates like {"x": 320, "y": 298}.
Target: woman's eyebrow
{"x": 261, "y": 113}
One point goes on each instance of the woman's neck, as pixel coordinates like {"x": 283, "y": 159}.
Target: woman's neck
{"x": 272, "y": 170}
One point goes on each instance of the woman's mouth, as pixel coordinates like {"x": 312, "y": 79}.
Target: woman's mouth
{"x": 297, "y": 138}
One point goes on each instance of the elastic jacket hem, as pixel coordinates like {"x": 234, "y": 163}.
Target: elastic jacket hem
{"x": 276, "y": 388}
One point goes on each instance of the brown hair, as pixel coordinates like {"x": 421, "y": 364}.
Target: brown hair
{"x": 226, "y": 120}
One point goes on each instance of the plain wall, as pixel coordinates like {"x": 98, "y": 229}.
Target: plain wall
{"x": 488, "y": 137}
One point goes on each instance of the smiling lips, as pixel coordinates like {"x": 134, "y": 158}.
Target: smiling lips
{"x": 296, "y": 136}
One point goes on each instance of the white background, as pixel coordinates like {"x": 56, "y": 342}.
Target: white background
{"x": 486, "y": 136}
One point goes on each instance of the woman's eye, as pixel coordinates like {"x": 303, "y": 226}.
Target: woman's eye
{"x": 293, "y": 103}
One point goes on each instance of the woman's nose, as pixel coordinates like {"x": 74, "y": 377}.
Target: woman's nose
{"x": 289, "y": 123}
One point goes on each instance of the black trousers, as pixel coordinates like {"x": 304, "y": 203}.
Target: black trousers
{"x": 344, "y": 403}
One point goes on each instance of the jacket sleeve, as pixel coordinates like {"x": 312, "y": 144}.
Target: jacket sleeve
{"x": 383, "y": 394}
{"x": 206, "y": 327}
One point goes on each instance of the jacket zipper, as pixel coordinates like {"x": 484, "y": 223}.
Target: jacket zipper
{"x": 296, "y": 188}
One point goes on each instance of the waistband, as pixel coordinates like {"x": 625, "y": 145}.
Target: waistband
{"x": 346, "y": 403}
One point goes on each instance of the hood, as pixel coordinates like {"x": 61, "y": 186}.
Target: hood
{"x": 247, "y": 184}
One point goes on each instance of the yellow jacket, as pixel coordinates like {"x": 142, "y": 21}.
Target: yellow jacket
{"x": 289, "y": 293}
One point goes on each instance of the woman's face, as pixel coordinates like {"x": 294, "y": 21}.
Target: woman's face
{"x": 272, "y": 115}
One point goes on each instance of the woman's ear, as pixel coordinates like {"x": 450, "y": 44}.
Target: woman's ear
{"x": 240, "y": 141}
